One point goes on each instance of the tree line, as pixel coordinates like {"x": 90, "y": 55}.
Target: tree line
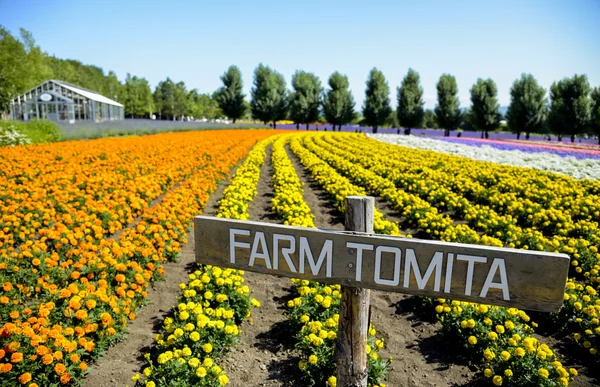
{"x": 570, "y": 108}
{"x": 573, "y": 108}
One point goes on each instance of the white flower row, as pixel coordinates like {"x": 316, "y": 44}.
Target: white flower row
{"x": 571, "y": 166}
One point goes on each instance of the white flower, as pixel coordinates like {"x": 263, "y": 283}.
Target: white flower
{"x": 571, "y": 166}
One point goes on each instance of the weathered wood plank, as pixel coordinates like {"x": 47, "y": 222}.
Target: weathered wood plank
{"x": 353, "y": 326}
{"x": 524, "y": 279}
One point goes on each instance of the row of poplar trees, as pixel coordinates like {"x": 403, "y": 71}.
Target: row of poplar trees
{"x": 573, "y": 108}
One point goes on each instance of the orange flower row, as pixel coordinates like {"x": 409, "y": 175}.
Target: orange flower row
{"x": 80, "y": 297}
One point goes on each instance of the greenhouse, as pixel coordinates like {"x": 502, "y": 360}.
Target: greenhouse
{"x": 61, "y": 101}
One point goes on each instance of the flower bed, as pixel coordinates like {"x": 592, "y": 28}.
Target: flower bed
{"x": 362, "y": 162}
{"x": 205, "y": 323}
{"x": 315, "y": 311}
{"x": 578, "y": 168}
{"x": 83, "y": 298}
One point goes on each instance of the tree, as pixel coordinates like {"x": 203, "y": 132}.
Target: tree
{"x": 22, "y": 66}
{"x": 376, "y": 107}
{"x": 527, "y": 110}
{"x": 429, "y": 119}
{"x": 269, "y": 96}
{"x": 484, "y": 106}
{"x": 203, "y": 105}
{"x": 230, "y": 97}
{"x": 410, "y": 102}
{"x": 570, "y": 106}
{"x": 595, "y": 116}
{"x": 447, "y": 111}
{"x": 305, "y": 101}
{"x": 338, "y": 103}
{"x": 171, "y": 99}
{"x": 137, "y": 97}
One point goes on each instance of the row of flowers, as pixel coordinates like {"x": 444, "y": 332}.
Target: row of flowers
{"x": 523, "y": 227}
{"x": 579, "y": 239}
{"x": 90, "y": 296}
{"x": 204, "y": 325}
{"x": 96, "y": 198}
{"x": 588, "y": 168}
{"x": 338, "y": 186}
{"x": 314, "y": 312}
{"x": 500, "y": 360}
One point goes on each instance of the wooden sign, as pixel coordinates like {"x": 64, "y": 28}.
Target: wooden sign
{"x": 531, "y": 280}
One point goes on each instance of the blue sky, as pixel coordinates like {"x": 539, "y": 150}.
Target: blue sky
{"x": 195, "y": 41}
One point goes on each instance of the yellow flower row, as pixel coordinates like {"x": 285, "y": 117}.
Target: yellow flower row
{"x": 242, "y": 189}
{"x": 428, "y": 217}
{"x": 519, "y": 223}
{"x": 580, "y": 239}
{"x": 288, "y": 200}
{"x": 338, "y": 186}
{"x": 211, "y": 305}
{"x": 315, "y": 312}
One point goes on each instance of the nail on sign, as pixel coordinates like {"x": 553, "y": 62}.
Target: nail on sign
{"x": 531, "y": 280}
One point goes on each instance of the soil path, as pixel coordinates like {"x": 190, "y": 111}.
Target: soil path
{"x": 123, "y": 360}
{"x": 420, "y": 356}
{"x": 265, "y": 355}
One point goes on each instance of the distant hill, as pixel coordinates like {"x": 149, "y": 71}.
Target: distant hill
{"x": 503, "y": 110}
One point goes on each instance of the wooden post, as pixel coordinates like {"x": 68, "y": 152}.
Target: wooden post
{"x": 353, "y": 325}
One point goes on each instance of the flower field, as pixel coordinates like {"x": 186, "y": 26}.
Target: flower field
{"x": 69, "y": 283}
{"x": 579, "y": 162}
{"x": 86, "y": 227}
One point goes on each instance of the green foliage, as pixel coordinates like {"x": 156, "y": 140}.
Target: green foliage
{"x": 24, "y": 65}
{"x": 230, "y": 97}
{"x": 305, "y": 101}
{"x": 447, "y": 111}
{"x": 484, "y": 106}
{"x": 171, "y": 99}
{"x": 41, "y": 131}
{"x": 376, "y": 107}
{"x": 338, "y": 103}
{"x": 410, "y": 102}
{"x": 429, "y": 120}
{"x": 570, "y": 106}
{"x": 203, "y": 105}
{"x": 34, "y": 131}
{"x": 595, "y": 116}
{"x": 269, "y": 95}
{"x": 137, "y": 97}
{"x": 527, "y": 110}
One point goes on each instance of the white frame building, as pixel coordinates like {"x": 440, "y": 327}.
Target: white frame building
{"x": 60, "y": 101}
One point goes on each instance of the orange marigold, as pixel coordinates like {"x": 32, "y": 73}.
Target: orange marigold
{"x": 25, "y": 378}
{"x": 47, "y": 359}
{"x": 60, "y": 368}
{"x": 16, "y": 357}
{"x": 65, "y": 378}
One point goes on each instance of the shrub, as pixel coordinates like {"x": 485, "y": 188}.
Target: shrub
{"x": 11, "y": 136}
{"x": 42, "y": 131}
